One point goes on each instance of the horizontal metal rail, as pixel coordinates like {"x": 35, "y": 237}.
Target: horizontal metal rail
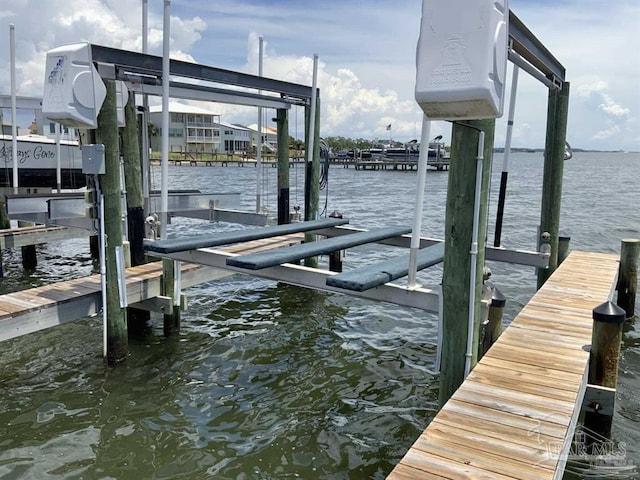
{"x": 497, "y": 254}
{"x": 127, "y": 62}
{"x": 533, "y": 51}
{"x": 210, "y": 94}
{"x": 421, "y": 298}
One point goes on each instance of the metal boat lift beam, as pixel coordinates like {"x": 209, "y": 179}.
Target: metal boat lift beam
{"x": 26, "y": 103}
{"x": 201, "y": 92}
{"x": 421, "y": 298}
{"x": 126, "y": 62}
{"x": 528, "y": 47}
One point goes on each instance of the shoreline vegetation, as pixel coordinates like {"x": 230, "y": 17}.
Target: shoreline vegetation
{"x": 541, "y": 150}
{"x": 300, "y": 155}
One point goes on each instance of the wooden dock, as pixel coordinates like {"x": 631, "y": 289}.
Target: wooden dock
{"x": 400, "y": 164}
{"x": 23, "y": 236}
{"x": 515, "y": 414}
{"x": 35, "y": 309}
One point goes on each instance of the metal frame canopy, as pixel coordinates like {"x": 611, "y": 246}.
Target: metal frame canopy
{"x": 532, "y": 56}
{"x": 143, "y": 74}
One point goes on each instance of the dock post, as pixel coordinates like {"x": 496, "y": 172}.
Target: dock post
{"x": 282, "y": 120}
{"x": 107, "y": 134}
{"x": 135, "y": 199}
{"x": 493, "y": 328}
{"x": 457, "y": 258}
{"x": 335, "y": 258}
{"x": 29, "y": 256}
{"x": 563, "y": 248}
{"x": 628, "y": 276}
{"x": 557, "y": 112}
{"x": 171, "y": 325}
{"x": 606, "y": 337}
{"x": 4, "y": 223}
{"x": 312, "y": 181}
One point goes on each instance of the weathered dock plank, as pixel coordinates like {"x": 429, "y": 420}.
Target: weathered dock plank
{"x": 514, "y": 415}
{"x": 35, "y": 309}
{"x": 23, "y": 236}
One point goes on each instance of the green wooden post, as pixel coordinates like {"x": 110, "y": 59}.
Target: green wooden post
{"x": 314, "y": 184}
{"x": 283, "y": 166}
{"x": 628, "y": 276}
{"x": 107, "y": 134}
{"x": 493, "y": 327}
{"x": 564, "y": 242}
{"x": 135, "y": 201}
{"x": 133, "y": 182}
{"x": 307, "y": 165}
{"x": 29, "y": 256}
{"x": 457, "y": 259}
{"x": 557, "y": 113}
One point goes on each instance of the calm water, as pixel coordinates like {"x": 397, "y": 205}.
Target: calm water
{"x": 269, "y": 381}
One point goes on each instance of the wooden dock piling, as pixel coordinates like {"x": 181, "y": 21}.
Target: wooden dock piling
{"x": 557, "y": 112}
{"x": 107, "y": 134}
{"x": 282, "y": 119}
{"x": 606, "y": 337}
{"x": 628, "y": 276}
{"x": 564, "y": 242}
{"x": 133, "y": 183}
{"x": 493, "y": 328}
{"x": 29, "y": 255}
{"x": 335, "y": 258}
{"x": 135, "y": 200}
{"x": 458, "y": 239}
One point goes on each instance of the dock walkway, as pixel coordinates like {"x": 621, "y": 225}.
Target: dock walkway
{"x": 515, "y": 414}
{"x": 23, "y": 236}
{"x": 34, "y": 309}
{"x": 386, "y": 163}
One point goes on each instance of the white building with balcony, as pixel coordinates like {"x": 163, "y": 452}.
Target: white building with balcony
{"x": 234, "y": 138}
{"x": 191, "y": 129}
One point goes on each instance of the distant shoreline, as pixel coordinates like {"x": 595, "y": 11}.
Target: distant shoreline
{"x": 541, "y": 150}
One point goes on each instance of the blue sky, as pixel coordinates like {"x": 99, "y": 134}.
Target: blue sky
{"x": 367, "y": 57}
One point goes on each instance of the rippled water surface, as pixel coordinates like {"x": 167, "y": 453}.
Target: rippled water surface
{"x": 270, "y": 381}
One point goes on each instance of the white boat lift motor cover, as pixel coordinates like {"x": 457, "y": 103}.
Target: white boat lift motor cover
{"x": 462, "y": 58}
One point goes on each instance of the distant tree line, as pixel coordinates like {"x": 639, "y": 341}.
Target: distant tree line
{"x": 342, "y": 143}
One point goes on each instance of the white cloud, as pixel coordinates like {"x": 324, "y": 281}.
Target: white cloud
{"x": 111, "y": 23}
{"x": 607, "y": 133}
{"x": 598, "y": 91}
{"x": 367, "y": 57}
{"x": 612, "y": 108}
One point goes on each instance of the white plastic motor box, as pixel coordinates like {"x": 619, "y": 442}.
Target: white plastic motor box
{"x": 461, "y": 58}
{"x": 73, "y": 89}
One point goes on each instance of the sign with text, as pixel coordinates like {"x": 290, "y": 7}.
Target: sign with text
{"x": 40, "y": 155}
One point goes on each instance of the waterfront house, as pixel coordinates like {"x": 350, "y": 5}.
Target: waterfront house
{"x": 191, "y": 129}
